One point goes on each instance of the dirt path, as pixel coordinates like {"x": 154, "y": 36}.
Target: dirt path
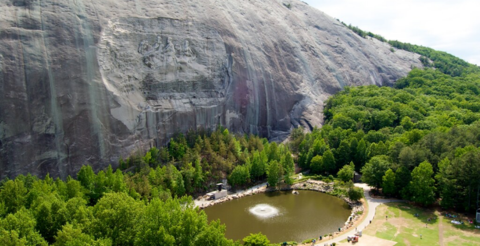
{"x": 440, "y": 231}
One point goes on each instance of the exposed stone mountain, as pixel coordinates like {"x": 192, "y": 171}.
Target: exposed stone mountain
{"x": 85, "y": 81}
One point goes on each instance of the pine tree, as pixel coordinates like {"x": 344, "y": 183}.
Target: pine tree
{"x": 289, "y": 167}
{"x": 274, "y": 173}
{"x": 198, "y": 176}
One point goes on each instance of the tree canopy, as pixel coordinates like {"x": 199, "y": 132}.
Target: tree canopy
{"x": 429, "y": 116}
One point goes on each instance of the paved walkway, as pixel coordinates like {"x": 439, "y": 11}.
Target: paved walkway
{"x": 252, "y": 188}
{"x": 370, "y": 241}
{"x": 372, "y": 206}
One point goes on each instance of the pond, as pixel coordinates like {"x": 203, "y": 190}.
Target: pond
{"x": 281, "y": 216}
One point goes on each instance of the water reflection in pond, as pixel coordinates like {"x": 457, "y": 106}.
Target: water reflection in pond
{"x": 281, "y": 216}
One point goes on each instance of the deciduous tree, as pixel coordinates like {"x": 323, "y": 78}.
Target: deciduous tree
{"x": 239, "y": 176}
{"x": 374, "y": 170}
{"x": 116, "y": 215}
{"x": 360, "y": 154}
{"x": 446, "y": 184}
{"x": 329, "y": 161}
{"x": 422, "y": 184}
{"x": 316, "y": 165}
{"x": 346, "y": 173}
{"x": 388, "y": 184}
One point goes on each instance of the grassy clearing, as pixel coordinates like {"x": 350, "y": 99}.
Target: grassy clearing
{"x": 411, "y": 225}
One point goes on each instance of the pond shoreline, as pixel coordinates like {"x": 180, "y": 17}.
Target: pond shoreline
{"x": 357, "y": 208}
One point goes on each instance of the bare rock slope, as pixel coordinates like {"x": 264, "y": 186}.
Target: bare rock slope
{"x": 85, "y": 81}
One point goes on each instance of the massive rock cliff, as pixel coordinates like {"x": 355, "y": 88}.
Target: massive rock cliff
{"x": 85, "y": 81}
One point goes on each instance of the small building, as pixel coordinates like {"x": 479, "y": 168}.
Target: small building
{"x": 219, "y": 193}
{"x": 357, "y": 178}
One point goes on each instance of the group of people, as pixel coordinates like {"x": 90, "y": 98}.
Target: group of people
{"x": 320, "y": 239}
{"x": 450, "y": 215}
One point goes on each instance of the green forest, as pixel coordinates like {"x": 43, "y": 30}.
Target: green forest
{"x": 417, "y": 141}
{"x": 145, "y": 201}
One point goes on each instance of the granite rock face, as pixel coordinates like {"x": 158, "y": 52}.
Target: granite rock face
{"x": 91, "y": 81}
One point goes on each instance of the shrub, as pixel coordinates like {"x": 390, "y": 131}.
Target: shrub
{"x": 307, "y": 240}
{"x": 256, "y": 240}
{"x": 355, "y": 193}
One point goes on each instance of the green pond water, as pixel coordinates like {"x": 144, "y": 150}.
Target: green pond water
{"x": 281, "y": 216}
